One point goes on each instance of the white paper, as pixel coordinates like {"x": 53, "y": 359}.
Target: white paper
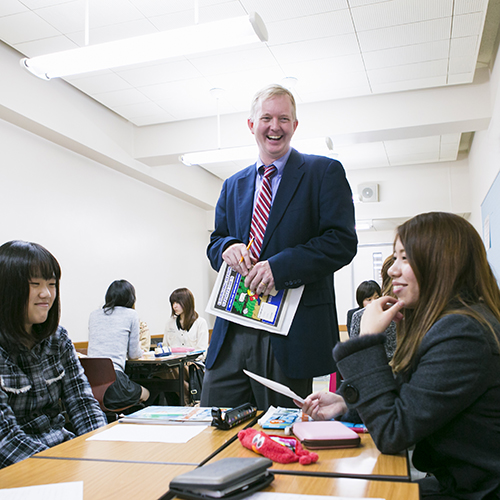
{"x": 275, "y": 386}
{"x": 149, "y": 433}
{"x": 58, "y": 491}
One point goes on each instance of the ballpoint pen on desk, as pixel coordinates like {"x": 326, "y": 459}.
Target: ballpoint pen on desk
{"x": 250, "y": 243}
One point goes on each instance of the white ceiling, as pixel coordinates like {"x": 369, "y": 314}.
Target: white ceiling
{"x": 336, "y": 49}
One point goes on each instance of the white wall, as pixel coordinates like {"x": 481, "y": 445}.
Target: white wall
{"x": 101, "y": 225}
{"x": 484, "y": 157}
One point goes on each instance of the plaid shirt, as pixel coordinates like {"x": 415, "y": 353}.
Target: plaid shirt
{"x": 33, "y": 383}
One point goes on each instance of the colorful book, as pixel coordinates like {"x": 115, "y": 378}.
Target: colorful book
{"x": 169, "y": 415}
{"x": 280, "y": 418}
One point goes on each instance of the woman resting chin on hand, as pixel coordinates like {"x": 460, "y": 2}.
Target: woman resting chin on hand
{"x": 441, "y": 390}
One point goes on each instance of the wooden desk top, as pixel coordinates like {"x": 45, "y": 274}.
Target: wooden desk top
{"x": 364, "y": 461}
{"x": 194, "y": 452}
{"x": 343, "y": 487}
{"x": 101, "y": 480}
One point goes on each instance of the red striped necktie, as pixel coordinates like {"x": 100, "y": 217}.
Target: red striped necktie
{"x": 261, "y": 211}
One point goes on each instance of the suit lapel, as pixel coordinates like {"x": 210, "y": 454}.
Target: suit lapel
{"x": 292, "y": 175}
{"x": 245, "y": 193}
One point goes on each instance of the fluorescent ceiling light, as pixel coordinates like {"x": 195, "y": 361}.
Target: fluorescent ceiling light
{"x": 141, "y": 49}
{"x": 319, "y": 145}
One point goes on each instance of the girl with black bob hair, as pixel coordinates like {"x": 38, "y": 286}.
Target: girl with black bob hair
{"x": 39, "y": 368}
{"x": 441, "y": 391}
{"x": 114, "y": 332}
{"x": 366, "y": 292}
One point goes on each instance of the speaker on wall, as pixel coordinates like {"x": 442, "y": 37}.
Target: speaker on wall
{"x": 368, "y": 192}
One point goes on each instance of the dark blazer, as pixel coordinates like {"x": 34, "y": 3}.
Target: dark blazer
{"x": 447, "y": 403}
{"x": 310, "y": 235}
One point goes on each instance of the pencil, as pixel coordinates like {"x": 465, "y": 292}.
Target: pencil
{"x": 250, "y": 243}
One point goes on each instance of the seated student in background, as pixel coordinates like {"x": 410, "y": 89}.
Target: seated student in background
{"x": 39, "y": 370}
{"x": 114, "y": 334}
{"x": 390, "y": 333}
{"x": 185, "y": 328}
{"x": 441, "y": 392}
{"x": 366, "y": 292}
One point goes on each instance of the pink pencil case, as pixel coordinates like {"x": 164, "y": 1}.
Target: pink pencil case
{"x": 325, "y": 434}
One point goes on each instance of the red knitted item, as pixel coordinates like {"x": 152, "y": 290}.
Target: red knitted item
{"x": 281, "y": 449}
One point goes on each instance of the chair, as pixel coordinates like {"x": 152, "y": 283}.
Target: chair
{"x": 100, "y": 373}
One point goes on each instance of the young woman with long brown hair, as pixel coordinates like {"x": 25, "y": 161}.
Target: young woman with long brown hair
{"x": 441, "y": 392}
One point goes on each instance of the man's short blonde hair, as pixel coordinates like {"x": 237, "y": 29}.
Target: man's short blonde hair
{"x": 268, "y": 93}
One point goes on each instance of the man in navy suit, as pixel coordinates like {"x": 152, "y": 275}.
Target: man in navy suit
{"x": 310, "y": 235}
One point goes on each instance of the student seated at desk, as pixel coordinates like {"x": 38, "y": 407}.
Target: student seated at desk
{"x": 185, "y": 328}
{"x": 442, "y": 390}
{"x": 366, "y": 292}
{"x": 39, "y": 369}
{"x": 114, "y": 334}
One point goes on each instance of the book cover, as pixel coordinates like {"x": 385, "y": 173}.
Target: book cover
{"x": 169, "y": 415}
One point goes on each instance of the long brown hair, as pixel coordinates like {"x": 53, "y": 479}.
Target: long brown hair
{"x": 185, "y": 298}
{"x": 449, "y": 261}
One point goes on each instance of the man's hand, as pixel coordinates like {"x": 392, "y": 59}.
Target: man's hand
{"x": 323, "y": 405}
{"x": 237, "y": 257}
{"x": 260, "y": 278}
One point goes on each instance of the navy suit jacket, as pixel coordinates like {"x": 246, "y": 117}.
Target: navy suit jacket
{"x": 310, "y": 235}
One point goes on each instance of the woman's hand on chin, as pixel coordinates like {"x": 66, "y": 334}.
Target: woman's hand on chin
{"x": 379, "y": 314}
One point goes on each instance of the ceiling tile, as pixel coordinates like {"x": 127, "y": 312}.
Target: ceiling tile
{"x": 310, "y": 27}
{"x": 207, "y": 14}
{"x": 398, "y": 12}
{"x": 467, "y": 25}
{"x": 458, "y": 65}
{"x": 321, "y": 48}
{"x": 120, "y": 97}
{"x": 467, "y": 6}
{"x": 119, "y": 31}
{"x": 411, "y": 146}
{"x": 409, "y": 72}
{"x": 45, "y": 46}
{"x": 418, "y": 83}
{"x": 398, "y": 36}
{"x": 38, "y": 4}
{"x": 9, "y": 7}
{"x": 407, "y": 55}
{"x": 278, "y": 10}
{"x": 464, "y": 47}
{"x": 153, "y": 74}
{"x": 233, "y": 61}
{"x": 24, "y": 27}
{"x": 138, "y": 109}
{"x": 461, "y": 78}
{"x": 105, "y": 82}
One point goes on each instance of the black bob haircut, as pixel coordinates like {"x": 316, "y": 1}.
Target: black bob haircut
{"x": 366, "y": 290}
{"x": 20, "y": 262}
{"x": 120, "y": 293}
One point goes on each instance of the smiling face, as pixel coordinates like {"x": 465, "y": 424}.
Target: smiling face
{"x": 273, "y": 126}
{"x": 404, "y": 283}
{"x": 42, "y": 295}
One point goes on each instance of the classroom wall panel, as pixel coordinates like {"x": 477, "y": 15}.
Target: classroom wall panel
{"x": 101, "y": 225}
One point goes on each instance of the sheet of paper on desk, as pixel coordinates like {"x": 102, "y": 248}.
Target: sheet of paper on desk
{"x": 59, "y": 491}
{"x": 149, "y": 433}
{"x": 275, "y": 386}
{"x": 294, "y": 496}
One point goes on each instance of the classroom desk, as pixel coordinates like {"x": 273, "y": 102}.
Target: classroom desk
{"x": 101, "y": 480}
{"x": 343, "y": 487}
{"x": 366, "y": 461}
{"x": 144, "y": 368}
{"x": 194, "y": 452}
